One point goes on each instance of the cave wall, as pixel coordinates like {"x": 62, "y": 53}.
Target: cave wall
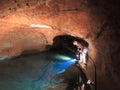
{"x": 95, "y": 21}
{"x": 74, "y": 18}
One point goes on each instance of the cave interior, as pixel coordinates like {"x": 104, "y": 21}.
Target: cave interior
{"x": 36, "y": 44}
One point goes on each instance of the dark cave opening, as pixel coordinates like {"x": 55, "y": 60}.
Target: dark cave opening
{"x": 64, "y": 44}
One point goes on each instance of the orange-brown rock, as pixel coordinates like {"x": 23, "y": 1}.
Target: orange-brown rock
{"x": 99, "y": 25}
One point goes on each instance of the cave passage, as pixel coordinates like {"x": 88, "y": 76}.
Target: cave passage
{"x": 28, "y": 26}
{"x": 48, "y": 70}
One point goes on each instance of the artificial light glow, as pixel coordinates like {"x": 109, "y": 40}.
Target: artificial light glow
{"x": 62, "y": 57}
{"x": 40, "y": 26}
{"x": 73, "y": 60}
{"x": 65, "y": 58}
{"x": 63, "y": 63}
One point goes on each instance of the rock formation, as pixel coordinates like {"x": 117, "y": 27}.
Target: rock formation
{"x": 95, "y": 21}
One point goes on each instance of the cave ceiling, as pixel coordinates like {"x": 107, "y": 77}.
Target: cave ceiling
{"x": 17, "y": 16}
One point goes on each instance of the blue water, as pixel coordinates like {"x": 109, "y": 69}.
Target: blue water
{"x": 33, "y": 72}
{"x": 55, "y": 67}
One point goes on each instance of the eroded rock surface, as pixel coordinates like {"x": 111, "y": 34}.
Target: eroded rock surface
{"x": 96, "y": 22}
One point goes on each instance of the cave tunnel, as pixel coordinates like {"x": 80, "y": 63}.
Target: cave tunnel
{"x": 46, "y": 70}
{"x": 36, "y": 44}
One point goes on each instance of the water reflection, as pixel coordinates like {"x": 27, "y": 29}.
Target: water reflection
{"x": 34, "y": 72}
